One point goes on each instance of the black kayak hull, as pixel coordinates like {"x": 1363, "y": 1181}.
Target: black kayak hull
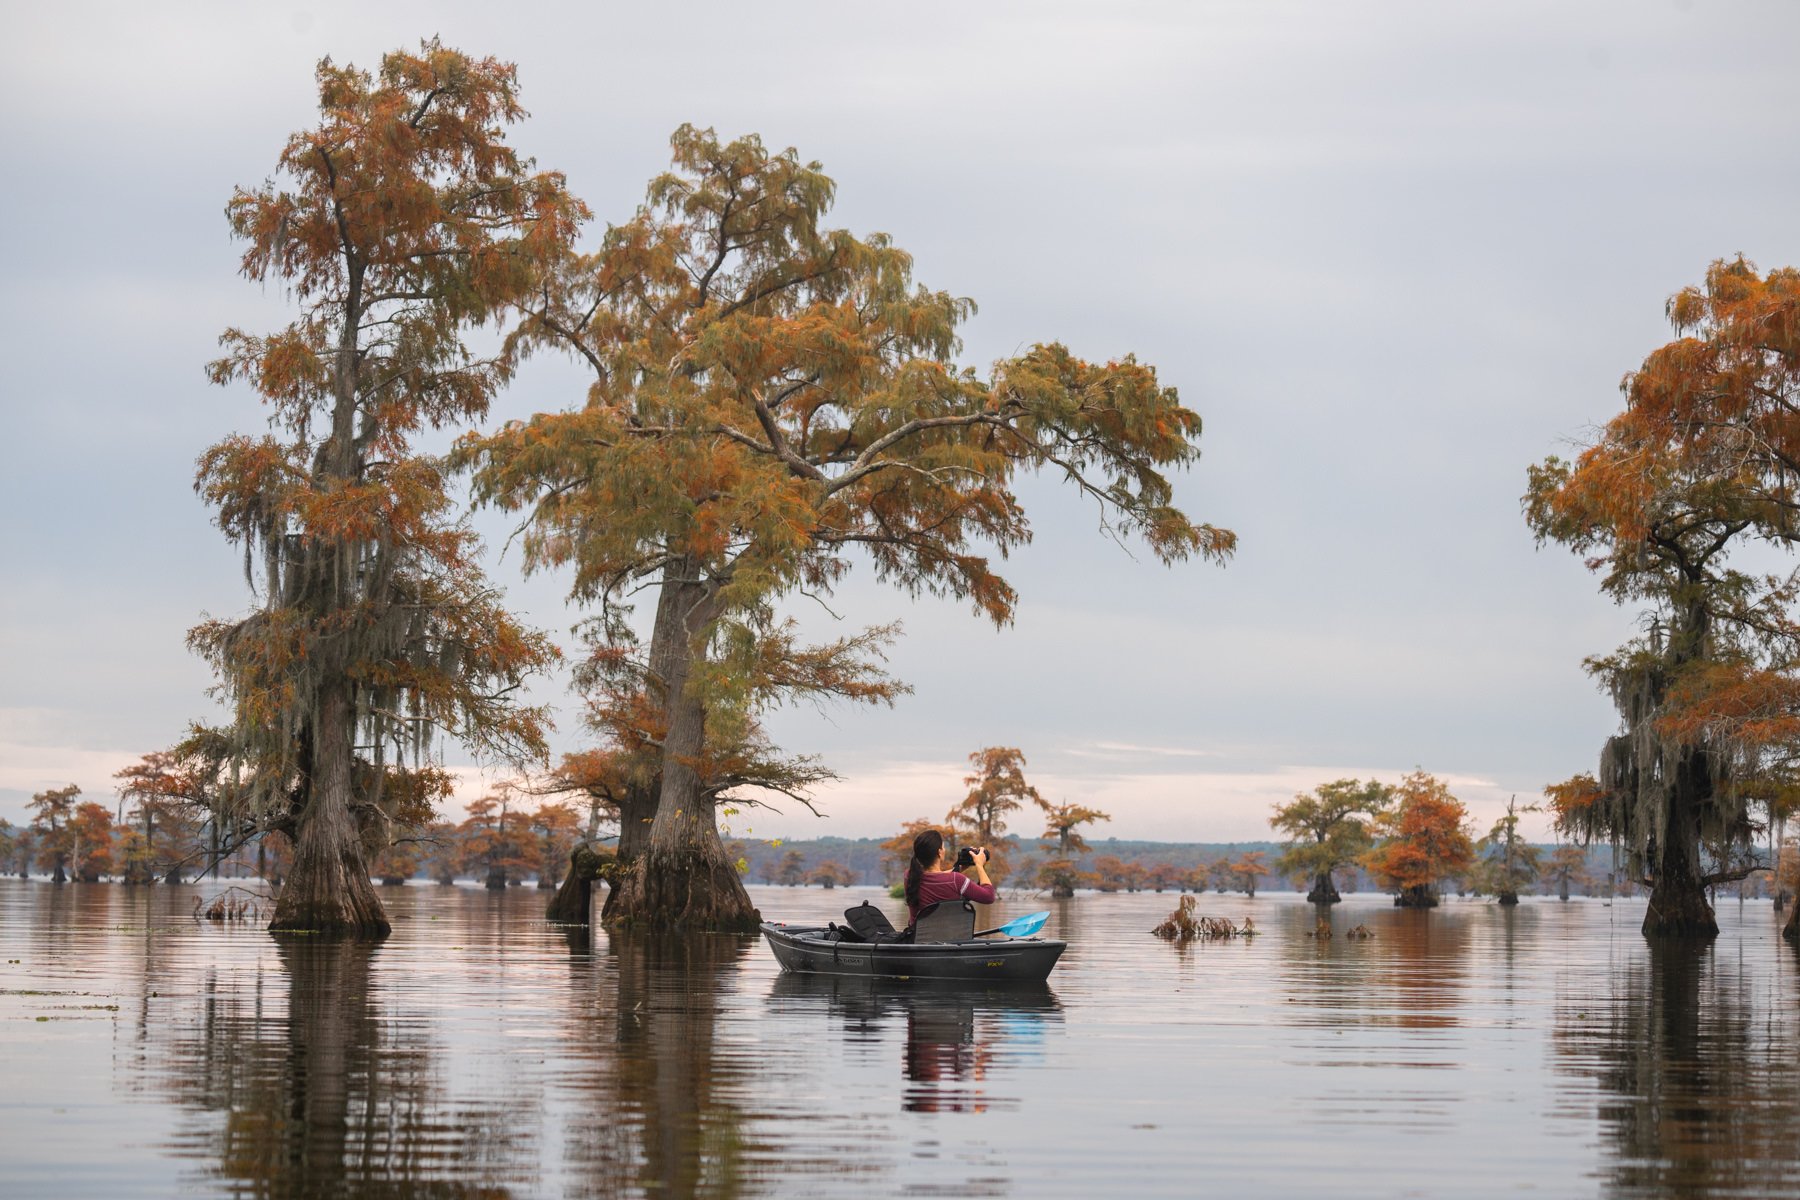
{"x": 815, "y": 950}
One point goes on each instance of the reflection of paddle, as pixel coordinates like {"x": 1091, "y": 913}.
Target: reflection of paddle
{"x": 1023, "y": 926}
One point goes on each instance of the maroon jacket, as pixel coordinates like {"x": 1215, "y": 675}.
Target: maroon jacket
{"x": 936, "y": 886}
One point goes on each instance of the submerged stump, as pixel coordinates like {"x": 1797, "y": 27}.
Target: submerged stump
{"x": 1185, "y": 925}
{"x": 573, "y": 901}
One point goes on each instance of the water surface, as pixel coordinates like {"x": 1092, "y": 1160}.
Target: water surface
{"x": 1473, "y": 1050}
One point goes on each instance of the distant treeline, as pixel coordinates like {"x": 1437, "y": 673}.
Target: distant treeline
{"x": 1133, "y": 865}
{"x": 499, "y": 845}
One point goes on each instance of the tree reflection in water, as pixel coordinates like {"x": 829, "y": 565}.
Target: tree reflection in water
{"x": 321, "y": 1095}
{"x": 1412, "y": 974}
{"x": 958, "y": 1039}
{"x": 1696, "y": 1093}
{"x": 679, "y": 1130}
{"x": 1427, "y": 963}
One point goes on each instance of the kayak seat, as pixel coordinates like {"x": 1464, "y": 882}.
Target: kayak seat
{"x": 945, "y": 921}
{"x": 866, "y": 923}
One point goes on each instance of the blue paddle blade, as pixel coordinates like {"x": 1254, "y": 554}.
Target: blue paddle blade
{"x": 1026, "y": 925}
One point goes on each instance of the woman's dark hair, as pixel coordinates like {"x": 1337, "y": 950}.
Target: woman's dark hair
{"x": 926, "y": 848}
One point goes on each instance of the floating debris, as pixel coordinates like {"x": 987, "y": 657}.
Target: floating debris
{"x": 1184, "y": 925}
{"x": 1361, "y": 931}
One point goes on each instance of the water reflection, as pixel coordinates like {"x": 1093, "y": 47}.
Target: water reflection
{"x": 479, "y": 1052}
{"x": 298, "y": 1085}
{"x": 1697, "y": 1093}
{"x": 1425, "y": 967}
{"x": 959, "y": 1042}
{"x": 672, "y": 1096}
{"x": 1411, "y": 972}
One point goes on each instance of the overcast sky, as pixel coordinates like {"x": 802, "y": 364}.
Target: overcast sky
{"x": 1392, "y": 253}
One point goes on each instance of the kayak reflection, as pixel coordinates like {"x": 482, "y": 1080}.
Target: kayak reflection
{"x": 960, "y": 1041}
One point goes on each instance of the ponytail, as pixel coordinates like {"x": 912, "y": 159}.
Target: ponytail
{"x": 927, "y": 848}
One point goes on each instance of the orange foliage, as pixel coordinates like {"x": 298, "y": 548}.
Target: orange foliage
{"x": 399, "y": 222}
{"x": 170, "y": 793}
{"x": 496, "y": 840}
{"x": 91, "y": 842}
{"x": 1572, "y": 800}
{"x": 1701, "y": 463}
{"x": 1248, "y": 870}
{"x": 1061, "y": 822}
{"x": 1426, "y": 837}
{"x": 556, "y": 828}
{"x": 772, "y": 397}
{"x": 53, "y": 810}
{"x": 997, "y": 788}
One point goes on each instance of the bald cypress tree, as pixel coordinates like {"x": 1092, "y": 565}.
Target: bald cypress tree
{"x": 1703, "y": 462}
{"x": 769, "y": 398}
{"x": 1331, "y": 827}
{"x": 398, "y": 224}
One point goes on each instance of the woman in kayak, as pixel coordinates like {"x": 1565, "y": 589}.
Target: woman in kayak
{"x": 929, "y": 878}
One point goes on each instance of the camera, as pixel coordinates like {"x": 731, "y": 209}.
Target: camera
{"x": 965, "y": 858}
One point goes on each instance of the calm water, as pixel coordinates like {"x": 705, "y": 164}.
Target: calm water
{"x": 1472, "y": 1051}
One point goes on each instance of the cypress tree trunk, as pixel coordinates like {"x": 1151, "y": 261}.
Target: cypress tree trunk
{"x": 1418, "y": 896}
{"x": 682, "y": 879}
{"x": 1324, "y": 891}
{"x": 1509, "y": 897}
{"x": 574, "y": 899}
{"x": 637, "y": 812}
{"x": 1678, "y": 904}
{"x": 328, "y": 890}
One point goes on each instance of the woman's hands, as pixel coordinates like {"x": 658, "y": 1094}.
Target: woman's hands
{"x": 980, "y": 864}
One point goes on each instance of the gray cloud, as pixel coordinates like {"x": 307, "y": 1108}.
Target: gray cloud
{"x": 1392, "y": 253}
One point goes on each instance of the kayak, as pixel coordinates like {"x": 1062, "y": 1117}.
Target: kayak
{"x": 818, "y": 949}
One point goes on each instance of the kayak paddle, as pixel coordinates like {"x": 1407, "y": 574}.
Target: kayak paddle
{"x": 1023, "y": 926}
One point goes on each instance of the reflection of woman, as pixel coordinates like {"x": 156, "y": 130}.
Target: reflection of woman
{"x": 943, "y": 1059}
{"x": 929, "y": 878}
